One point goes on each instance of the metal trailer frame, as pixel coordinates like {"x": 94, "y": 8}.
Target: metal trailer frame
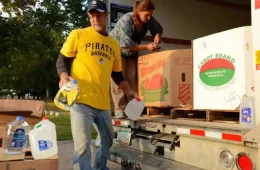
{"x": 191, "y": 142}
{"x": 185, "y": 141}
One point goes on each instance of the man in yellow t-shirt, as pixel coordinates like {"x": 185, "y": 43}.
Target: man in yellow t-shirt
{"x": 95, "y": 57}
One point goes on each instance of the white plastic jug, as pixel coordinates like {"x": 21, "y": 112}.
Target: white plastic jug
{"x": 247, "y": 112}
{"x": 43, "y": 141}
{"x": 45, "y": 120}
{"x": 16, "y": 136}
{"x": 134, "y": 108}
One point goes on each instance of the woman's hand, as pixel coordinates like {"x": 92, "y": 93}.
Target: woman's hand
{"x": 152, "y": 46}
{"x": 157, "y": 39}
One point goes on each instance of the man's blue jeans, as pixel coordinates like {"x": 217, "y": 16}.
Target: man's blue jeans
{"x": 82, "y": 117}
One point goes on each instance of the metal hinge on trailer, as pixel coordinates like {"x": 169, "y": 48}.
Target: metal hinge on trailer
{"x": 150, "y": 126}
{"x": 210, "y": 134}
{"x": 252, "y": 137}
{"x": 156, "y": 138}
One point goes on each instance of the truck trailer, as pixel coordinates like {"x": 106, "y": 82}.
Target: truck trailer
{"x": 169, "y": 141}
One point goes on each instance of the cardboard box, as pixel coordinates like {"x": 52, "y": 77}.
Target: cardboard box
{"x": 32, "y": 111}
{"x": 28, "y": 163}
{"x": 165, "y": 78}
{"x": 223, "y": 68}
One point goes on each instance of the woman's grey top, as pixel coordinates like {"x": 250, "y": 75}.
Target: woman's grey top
{"x": 126, "y": 33}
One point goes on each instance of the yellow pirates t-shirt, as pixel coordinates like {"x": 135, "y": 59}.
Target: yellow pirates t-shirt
{"x": 95, "y": 58}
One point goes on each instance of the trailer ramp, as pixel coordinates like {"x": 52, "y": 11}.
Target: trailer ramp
{"x": 131, "y": 159}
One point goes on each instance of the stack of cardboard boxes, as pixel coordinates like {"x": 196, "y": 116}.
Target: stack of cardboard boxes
{"x": 213, "y": 75}
{"x": 32, "y": 111}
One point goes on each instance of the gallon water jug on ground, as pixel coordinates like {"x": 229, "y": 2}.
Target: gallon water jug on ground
{"x": 247, "y": 112}
{"x": 67, "y": 95}
{"x": 46, "y": 121}
{"x": 43, "y": 141}
{"x": 134, "y": 108}
{"x": 16, "y": 136}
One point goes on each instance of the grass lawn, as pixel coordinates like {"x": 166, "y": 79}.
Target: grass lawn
{"x": 63, "y": 123}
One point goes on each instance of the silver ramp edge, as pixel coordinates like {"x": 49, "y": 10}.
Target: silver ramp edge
{"x": 183, "y": 122}
{"x": 131, "y": 158}
{"x": 253, "y": 135}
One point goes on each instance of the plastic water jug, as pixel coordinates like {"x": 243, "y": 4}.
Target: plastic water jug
{"x": 134, "y": 109}
{"x": 46, "y": 121}
{"x": 43, "y": 141}
{"x": 16, "y": 136}
{"x": 67, "y": 95}
{"x": 247, "y": 112}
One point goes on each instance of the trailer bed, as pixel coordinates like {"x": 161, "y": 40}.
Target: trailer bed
{"x": 166, "y": 120}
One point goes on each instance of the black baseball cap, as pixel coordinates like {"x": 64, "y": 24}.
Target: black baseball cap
{"x": 97, "y": 5}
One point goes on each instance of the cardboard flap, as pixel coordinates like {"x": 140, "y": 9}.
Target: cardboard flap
{"x": 23, "y": 156}
{"x": 21, "y": 162}
{"x": 35, "y": 107}
{"x": 6, "y": 157}
{"x": 44, "y": 164}
{"x": 3, "y": 165}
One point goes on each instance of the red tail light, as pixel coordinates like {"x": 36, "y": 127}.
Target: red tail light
{"x": 245, "y": 162}
{"x": 117, "y": 123}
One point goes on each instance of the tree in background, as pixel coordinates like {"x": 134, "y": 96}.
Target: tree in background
{"x": 30, "y": 40}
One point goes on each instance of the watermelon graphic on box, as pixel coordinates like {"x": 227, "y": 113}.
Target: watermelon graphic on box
{"x": 217, "y": 72}
{"x": 154, "y": 90}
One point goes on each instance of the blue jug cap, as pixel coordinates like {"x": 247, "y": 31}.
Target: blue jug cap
{"x": 74, "y": 81}
{"x": 19, "y": 118}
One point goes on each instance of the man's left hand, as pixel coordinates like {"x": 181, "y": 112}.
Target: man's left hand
{"x": 131, "y": 94}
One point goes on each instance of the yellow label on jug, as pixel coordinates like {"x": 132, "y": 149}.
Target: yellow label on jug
{"x": 257, "y": 59}
{"x": 257, "y": 56}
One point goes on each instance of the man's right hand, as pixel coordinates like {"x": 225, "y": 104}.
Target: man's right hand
{"x": 152, "y": 46}
{"x": 64, "y": 80}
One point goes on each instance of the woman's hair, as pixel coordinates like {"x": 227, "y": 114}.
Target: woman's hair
{"x": 142, "y": 5}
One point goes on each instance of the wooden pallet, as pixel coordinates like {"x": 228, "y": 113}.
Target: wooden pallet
{"x": 161, "y": 110}
{"x": 158, "y": 111}
{"x": 230, "y": 116}
{"x": 208, "y": 115}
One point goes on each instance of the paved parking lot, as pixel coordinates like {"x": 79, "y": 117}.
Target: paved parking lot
{"x": 66, "y": 157}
